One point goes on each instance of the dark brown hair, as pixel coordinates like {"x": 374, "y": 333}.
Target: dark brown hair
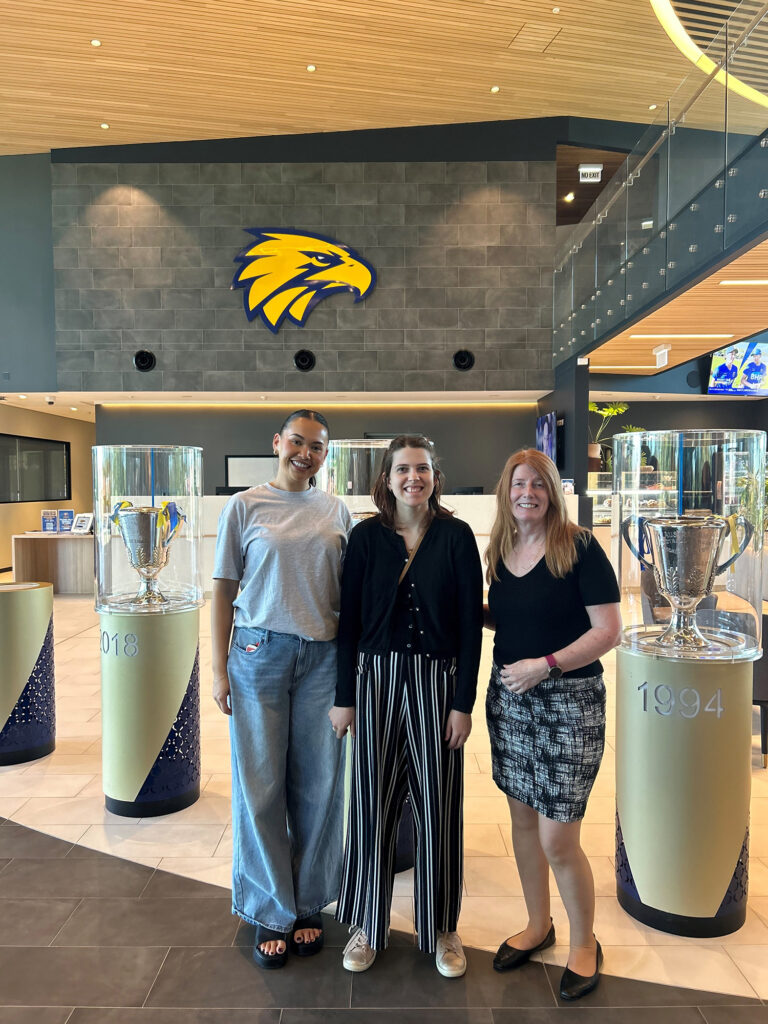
{"x": 305, "y": 414}
{"x": 384, "y": 499}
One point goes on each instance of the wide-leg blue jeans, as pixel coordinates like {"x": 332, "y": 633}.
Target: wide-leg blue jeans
{"x": 287, "y": 777}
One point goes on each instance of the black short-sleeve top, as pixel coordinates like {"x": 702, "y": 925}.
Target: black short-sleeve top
{"x": 538, "y": 614}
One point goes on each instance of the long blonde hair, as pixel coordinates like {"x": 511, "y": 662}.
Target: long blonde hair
{"x": 562, "y": 535}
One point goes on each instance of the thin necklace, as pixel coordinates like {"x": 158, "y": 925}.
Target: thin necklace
{"x": 539, "y": 552}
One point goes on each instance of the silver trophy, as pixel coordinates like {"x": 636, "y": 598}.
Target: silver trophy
{"x": 684, "y": 552}
{"x": 147, "y": 533}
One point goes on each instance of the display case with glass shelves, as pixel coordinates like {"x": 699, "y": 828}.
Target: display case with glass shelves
{"x": 651, "y": 491}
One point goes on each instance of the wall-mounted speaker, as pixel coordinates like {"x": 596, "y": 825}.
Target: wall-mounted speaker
{"x": 144, "y": 360}
{"x": 304, "y": 360}
{"x": 463, "y": 359}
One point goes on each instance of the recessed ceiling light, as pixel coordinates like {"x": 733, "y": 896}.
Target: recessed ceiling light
{"x": 555, "y": 10}
{"x": 681, "y": 336}
{"x": 495, "y": 88}
{"x": 104, "y": 125}
{"x": 653, "y": 106}
{"x": 22, "y": 396}
{"x": 95, "y": 42}
{"x": 73, "y": 408}
{"x": 311, "y": 67}
{"x": 570, "y": 197}
{"x": 758, "y": 281}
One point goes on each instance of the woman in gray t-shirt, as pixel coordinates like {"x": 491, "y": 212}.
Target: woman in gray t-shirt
{"x": 279, "y": 552}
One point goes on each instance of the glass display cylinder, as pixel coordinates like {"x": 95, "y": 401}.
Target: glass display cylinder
{"x": 147, "y": 527}
{"x": 687, "y": 529}
{"x": 351, "y": 466}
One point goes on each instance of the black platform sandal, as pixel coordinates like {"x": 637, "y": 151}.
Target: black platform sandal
{"x": 269, "y": 961}
{"x": 307, "y": 948}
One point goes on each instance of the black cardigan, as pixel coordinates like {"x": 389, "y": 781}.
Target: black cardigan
{"x": 447, "y": 584}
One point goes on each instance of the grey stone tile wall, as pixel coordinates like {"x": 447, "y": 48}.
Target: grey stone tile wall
{"x": 463, "y": 252}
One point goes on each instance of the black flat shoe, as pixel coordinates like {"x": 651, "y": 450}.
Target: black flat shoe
{"x": 269, "y": 961}
{"x": 508, "y": 958}
{"x": 574, "y": 986}
{"x": 307, "y": 948}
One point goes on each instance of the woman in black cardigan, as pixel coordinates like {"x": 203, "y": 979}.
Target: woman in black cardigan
{"x": 409, "y": 650}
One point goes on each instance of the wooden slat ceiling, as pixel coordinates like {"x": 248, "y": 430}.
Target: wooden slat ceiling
{"x": 191, "y": 69}
{"x": 703, "y": 20}
{"x": 709, "y": 308}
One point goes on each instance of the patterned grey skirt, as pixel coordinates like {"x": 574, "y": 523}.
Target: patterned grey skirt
{"x": 547, "y": 743}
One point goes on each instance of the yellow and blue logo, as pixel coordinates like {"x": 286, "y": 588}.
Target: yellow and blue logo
{"x": 285, "y": 273}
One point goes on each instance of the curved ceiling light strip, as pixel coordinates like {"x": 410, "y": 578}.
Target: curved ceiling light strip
{"x": 674, "y": 28}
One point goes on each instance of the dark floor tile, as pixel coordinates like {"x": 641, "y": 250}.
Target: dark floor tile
{"x": 32, "y": 922}
{"x": 147, "y": 1016}
{"x": 229, "y": 977}
{"x": 19, "y": 841}
{"x": 34, "y": 1014}
{"x": 164, "y": 885}
{"x": 401, "y": 977}
{"x": 584, "y": 1014}
{"x": 109, "y": 876}
{"x": 149, "y": 922}
{"x": 367, "y": 1016}
{"x": 735, "y": 1014}
{"x": 614, "y": 991}
{"x": 77, "y": 977}
{"x": 336, "y": 935}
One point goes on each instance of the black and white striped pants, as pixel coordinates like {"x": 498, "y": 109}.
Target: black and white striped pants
{"x": 403, "y": 703}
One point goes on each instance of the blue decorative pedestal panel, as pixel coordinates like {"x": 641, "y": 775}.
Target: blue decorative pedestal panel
{"x": 27, "y": 683}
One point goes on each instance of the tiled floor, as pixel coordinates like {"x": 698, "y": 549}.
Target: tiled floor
{"x": 149, "y": 926}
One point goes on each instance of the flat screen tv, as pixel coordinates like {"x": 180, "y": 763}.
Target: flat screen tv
{"x": 546, "y": 431}
{"x": 739, "y": 369}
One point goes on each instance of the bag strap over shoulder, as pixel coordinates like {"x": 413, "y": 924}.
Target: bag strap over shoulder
{"x": 412, "y": 555}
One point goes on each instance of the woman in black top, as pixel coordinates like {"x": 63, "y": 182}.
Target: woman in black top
{"x": 410, "y": 633}
{"x": 555, "y": 603}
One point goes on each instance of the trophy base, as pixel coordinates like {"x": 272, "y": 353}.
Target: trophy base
{"x": 141, "y": 603}
{"x": 720, "y": 643}
{"x": 174, "y": 600}
{"x": 149, "y": 597}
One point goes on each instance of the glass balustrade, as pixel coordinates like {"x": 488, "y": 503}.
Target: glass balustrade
{"x": 694, "y": 185}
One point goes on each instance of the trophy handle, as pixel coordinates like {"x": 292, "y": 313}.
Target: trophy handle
{"x": 119, "y": 506}
{"x": 175, "y": 517}
{"x": 625, "y": 534}
{"x": 749, "y": 531}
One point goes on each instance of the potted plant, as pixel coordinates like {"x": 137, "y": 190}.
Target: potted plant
{"x": 597, "y": 445}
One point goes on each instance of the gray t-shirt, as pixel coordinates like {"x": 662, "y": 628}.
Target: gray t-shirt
{"x": 286, "y": 549}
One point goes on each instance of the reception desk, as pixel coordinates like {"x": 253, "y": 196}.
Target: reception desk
{"x": 63, "y": 559}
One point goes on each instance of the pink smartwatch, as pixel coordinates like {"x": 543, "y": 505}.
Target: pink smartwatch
{"x": 555, "y": 672}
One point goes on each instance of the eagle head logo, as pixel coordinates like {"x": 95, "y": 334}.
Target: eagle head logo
{"x": 285, "y": 273}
